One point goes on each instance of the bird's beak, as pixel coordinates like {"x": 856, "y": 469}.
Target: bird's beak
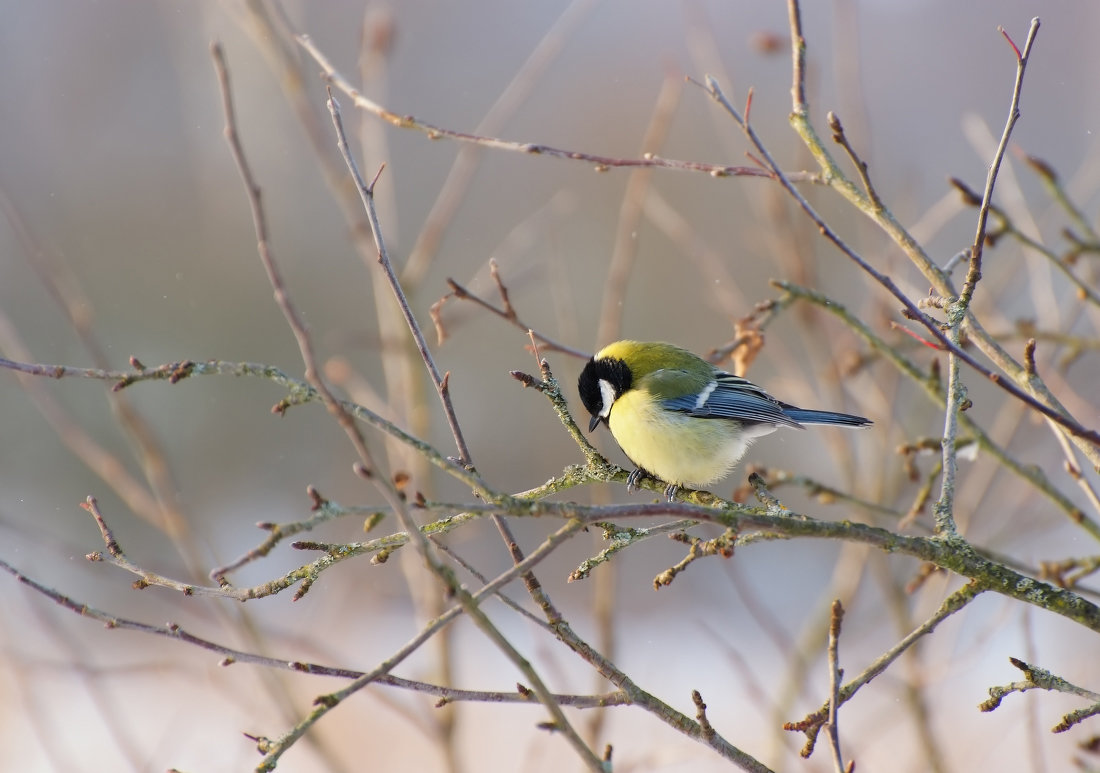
{"x": 595, "y": 422}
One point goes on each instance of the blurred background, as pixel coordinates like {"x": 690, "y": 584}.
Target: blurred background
{"x": 128, "y": 233}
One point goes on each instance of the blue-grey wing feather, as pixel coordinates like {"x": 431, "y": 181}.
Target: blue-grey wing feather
{"x": 734, "y": 398}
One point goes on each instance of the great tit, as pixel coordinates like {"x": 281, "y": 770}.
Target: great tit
{"x": 679, "y": 418}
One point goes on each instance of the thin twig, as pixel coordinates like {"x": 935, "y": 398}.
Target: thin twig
{"x": 303, "y": 576}
{"x": 273, "y": 750}
{"x": 324, "y": 511}
{"x": 836, "y": 673}
{"x": 533, "y": 586}
{"x": 1036, "y": 678}
{"x": 841, "y": 138}
{"x": 813, "y": 723}
{"x": 975, "y": 271}
{"x": 299, "y": 393}
{"x": 621, "y": 538}
{"x": 231, "y": 656}
{"x": 468, "y": 603}
{"x": 701, "y": 714}
{"x": 1087, "y": 440}
{"x": 602, "y": 163}
{"x": 446, "y": 577}
{"x": 1006, "y": 226}
{"x": 912, "y": 311}
{"x": 366, "y": 194}
{"x": 933, "y": 390}
{"x": 956, "y": 310}
{"x": 510, "y": 316}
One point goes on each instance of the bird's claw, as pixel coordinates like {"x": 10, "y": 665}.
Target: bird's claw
{"x": 671, "y": 490}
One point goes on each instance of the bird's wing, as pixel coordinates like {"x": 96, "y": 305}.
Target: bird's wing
{"x": 732, "y": 397}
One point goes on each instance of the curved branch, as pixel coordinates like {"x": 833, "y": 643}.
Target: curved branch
{"x": 602, "y": 163}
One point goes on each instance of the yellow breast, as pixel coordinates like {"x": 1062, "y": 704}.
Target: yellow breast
{"x": 677, "y": 448}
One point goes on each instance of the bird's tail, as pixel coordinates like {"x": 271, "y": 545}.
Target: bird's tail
{"x": 803, "y": 416}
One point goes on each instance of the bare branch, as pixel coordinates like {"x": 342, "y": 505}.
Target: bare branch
{"x": 601, "y": 163}
{"x": 813, "y": 723}
{"x": 1036, "y": 678}
{"x": 836, "y": 673}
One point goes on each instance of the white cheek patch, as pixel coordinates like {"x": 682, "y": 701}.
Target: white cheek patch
{"x": 708, "y": 390}
{"x": 607, "y": 397}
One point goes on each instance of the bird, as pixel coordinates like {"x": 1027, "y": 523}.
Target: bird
{"x": 680, "y": 419}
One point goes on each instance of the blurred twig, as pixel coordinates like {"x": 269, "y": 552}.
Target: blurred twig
{"x": 620, "y": 267}
{"x": 520, "y": 87}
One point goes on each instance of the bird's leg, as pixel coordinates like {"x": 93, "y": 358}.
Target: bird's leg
{"x": 632, "y": 480}
{"x": 670, "y": 492}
